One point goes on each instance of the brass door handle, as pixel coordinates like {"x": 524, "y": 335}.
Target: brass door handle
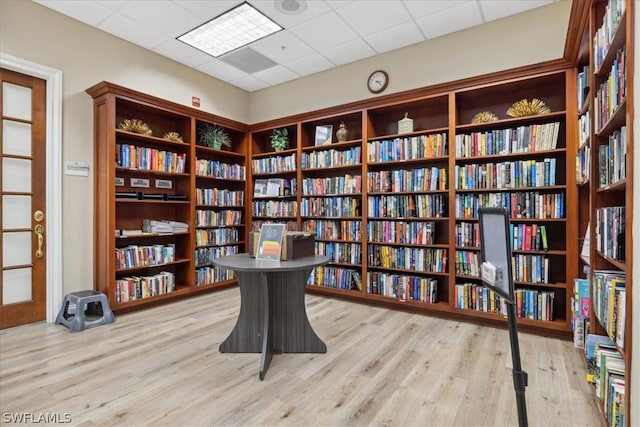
{"x": 39, "y": 230}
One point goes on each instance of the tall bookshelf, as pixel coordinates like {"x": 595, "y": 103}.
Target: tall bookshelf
{"x": 608, "y": 195}
{"x": 154, "y": 187}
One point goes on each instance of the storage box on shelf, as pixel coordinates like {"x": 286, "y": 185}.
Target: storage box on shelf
{"x": 144, "y": 211}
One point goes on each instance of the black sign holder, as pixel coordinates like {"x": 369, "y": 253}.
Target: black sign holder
{"x": 495, "y": 249}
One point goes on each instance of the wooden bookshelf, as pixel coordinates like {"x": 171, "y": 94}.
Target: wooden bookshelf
{"x": 607, "y": 195}
{"x": 142, "y": 177}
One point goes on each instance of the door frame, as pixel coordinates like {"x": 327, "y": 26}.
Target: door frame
{"x": 53, "y": 219}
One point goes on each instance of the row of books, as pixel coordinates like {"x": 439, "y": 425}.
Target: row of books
{"x": 333, "y": 229}
{"x": 610, "y": 232}
{"x": 138, "y": 287}
{"x": 524, "y": 204}
{"x": 335, "y": 185}
{"x": 530, "y": 303}
{"x": 135, "y": 157}
{"x": 343, "y": 253}
{"x": 468, "y": 234}
{"x": 208, "y": 275}
{"x": 335, "y": 277}
{"x": 522, "y": 139}
{"x": 274, "y": 164}
{"x": 528, "y": 237}
{"x": 467, "y": 263}
{"x": 219, "y": 197}
{"x": 291, "y": 224}
{"x": 407, "y": 258}
{"x": 402, "y": 287}
{"x": 331, "y": 158}
{"x": 218, "y": 169}
{"x": 515, "y": 174}
{"x": 205, "y": 256}
{"x": 330, "y": 206}
{"x": 407, "y": 180}
{"x": 400, "y": 232}
{"x": 609, "y": 303}
{"x": 613, "y": 158}
{"x": 217, "y": 236}
{"x": 415, "y": 147}
{"x": 611, "y": 93}
{"x": 135, "y": 256}
{"x": 583, "y": 164}
{"x": 604, "y": 34}
{"x": 584, "y": 128}
{"x": 580, "y": 310}
{"x": 223, "y": 218}
{"x": 606, "y": 369}
{"x": 582, "y": 88}
{"x": 275, "y": 208}
{"x": 407, "y": 206}
{"x": 472, "y": 296}
{"x": 530, "y": 268}
{"x": 275, "y": 187}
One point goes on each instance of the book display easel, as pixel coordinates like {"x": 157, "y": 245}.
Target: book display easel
{"x": 604, "y": 174}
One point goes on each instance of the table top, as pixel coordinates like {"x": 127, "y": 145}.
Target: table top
{"x": 243, "y": 262}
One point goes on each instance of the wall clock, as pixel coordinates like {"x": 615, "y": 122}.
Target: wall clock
{"x": 378, "y": 81}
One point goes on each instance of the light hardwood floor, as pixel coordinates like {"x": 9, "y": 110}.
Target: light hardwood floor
{"x": 162, "y": 366}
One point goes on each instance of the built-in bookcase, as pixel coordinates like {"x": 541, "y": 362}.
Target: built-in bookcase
{"x": 605, "y": 160}
{"x": 161, "y": 200}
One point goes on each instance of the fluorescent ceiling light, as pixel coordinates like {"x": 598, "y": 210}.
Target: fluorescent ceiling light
{"x": 233, "y": 29}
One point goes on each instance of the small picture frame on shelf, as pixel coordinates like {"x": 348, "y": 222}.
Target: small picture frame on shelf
{"x": 140, "y": 182}
{"x": 323, "y": 135}
{"x": 164, "y": 183}
{"x": 119, "y": 182}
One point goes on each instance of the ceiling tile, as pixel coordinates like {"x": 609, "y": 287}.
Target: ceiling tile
{"x": 164, "y": 17}
{"x": 276, "y": 75}
{"x": 111, "y": 4}
{"x": 127, "y": 29}
{"x": 419, "y": 8}
{"x": 282, "y": 47}
{"x": 450, "y": 20}
{"x": 310, "y": 64}
{"x": 249, "y": 83}
{"x": 496, "y": 9}
{"x": 206, "y": 10}
{"x": 325, "y": 31}
{"x": 182, "y": 53}
{"x": 309, "y": 10}
{"x": 222, "y": 71}
{"x": 367, "y": 17}
{"x": 88, "y": 12}
{"x": 349, "y": 52}
{"x": 394, "y": 38}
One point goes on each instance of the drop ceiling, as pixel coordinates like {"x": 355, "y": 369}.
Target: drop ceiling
{"x": 317, "y": 35}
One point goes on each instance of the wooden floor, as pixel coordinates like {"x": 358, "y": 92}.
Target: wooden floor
{"x": 162, "y": 366}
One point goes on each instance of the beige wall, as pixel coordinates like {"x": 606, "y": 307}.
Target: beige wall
{"x": 529, "y": 38}
{"x": 87, "y": 56}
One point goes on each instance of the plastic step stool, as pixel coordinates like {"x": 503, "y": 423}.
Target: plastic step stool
{"x": 90, "y": 303}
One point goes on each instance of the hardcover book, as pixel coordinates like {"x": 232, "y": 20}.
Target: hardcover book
{"x": 270, "y": 243}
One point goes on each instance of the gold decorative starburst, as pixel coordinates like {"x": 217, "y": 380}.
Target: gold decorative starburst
{"x": 525, "y": 108}
{"x": 172, "y": 136}
{"x": 484, "y": 117}
{"x": 135, "y": 126}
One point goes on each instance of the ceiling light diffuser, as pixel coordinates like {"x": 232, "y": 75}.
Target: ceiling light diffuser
{"x": 235, "y": 28}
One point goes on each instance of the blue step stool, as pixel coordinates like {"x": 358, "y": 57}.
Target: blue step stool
{"x": 88, "y": 303}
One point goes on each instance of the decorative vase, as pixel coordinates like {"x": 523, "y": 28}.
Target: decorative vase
{"x": 342, "y": 134}
{"x": 278, "y": 149}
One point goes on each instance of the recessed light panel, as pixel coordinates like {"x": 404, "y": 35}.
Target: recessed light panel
{"x": 233, "y": 29}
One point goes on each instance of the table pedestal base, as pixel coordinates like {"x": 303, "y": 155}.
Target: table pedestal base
{"x": 273, "y": 317}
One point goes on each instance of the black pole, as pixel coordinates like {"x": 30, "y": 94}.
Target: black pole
{"x": 519, "y": 376}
